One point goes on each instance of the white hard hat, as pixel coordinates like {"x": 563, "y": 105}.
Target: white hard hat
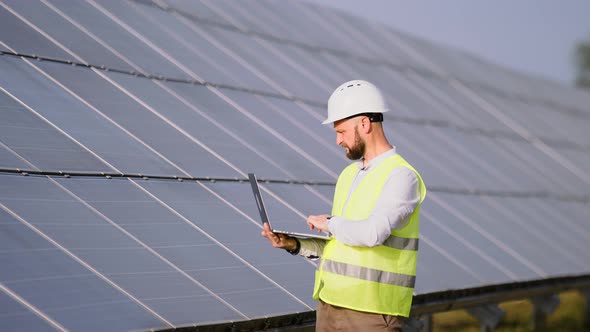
{"x": 352, "y": 98}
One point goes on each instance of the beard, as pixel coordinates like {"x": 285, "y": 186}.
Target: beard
{"x": 357, "y": 151}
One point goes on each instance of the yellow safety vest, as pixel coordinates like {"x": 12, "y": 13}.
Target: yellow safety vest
{"x": 378, "y": 279}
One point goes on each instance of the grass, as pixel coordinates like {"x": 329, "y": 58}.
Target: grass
{"x": 569, "y": 316}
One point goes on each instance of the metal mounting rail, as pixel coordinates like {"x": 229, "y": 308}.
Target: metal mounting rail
{"x": 472, "y": 297}
{"x": 585, "y": 199}
{"x": 110, "y": 175}
{"x": 423, "y": 304}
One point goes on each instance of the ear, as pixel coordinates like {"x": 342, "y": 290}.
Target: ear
{"x": 365, "y": 125}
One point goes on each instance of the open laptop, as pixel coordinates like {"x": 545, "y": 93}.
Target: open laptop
{"x": 297, "y": 231}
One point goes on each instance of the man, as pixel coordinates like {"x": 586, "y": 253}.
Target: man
{"x": 365, "y": 280}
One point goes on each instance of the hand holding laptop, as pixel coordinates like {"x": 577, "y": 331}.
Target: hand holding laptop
{"x": 278, "y": 240}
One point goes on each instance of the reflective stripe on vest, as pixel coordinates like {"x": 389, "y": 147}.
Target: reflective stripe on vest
{"x": 379, "y": 279}
{"x": 365, "y": 273}
{"x": 401, "y": 243}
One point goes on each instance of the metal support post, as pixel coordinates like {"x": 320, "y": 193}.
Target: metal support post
{"x": 428, "y": 323}
{"x": 413, "y": 324}
{"x": 543, "y": 306}
{"x": 489, "y": 316}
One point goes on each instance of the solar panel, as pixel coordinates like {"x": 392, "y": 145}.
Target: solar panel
{"x": 460, "y": 109}
{"x": 316, "y": 34}
{"x": 209, "y": 61}
{"x": 40, "y": 143}
{"x": 127, "y": 130}
{"x": 55, "y": 23}
{"x": 145, "y": 123}
{"x": 28, "y": 40}
{"x": 453, "y": 273}
{"x": 196, "y": 9}
{"x": 503, "y": 257}
{"x": 79, "y": 120}
{"x": 120, "y": 38}
{"x": 182, "y": 106}
{"x": 17, "y": 314}
{"x": 47, "y": 276}
{"x": 472, "y": 264}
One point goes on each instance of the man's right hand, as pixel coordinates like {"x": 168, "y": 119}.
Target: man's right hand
{"x": 278, "y": 240}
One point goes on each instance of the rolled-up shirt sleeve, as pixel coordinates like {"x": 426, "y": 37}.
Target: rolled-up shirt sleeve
{"x": 311, "y": 248}
{"x": 399, "y": 197}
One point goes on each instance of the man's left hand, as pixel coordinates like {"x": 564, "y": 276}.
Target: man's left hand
{"x": 319, "y": 222}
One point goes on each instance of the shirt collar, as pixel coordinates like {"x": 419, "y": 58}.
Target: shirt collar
{"x": 377, "y": 160}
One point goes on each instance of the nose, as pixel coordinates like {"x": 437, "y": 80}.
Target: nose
{"x": 339, "y": 138}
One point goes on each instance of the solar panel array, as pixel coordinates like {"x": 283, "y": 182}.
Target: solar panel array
{"x": 127, "y": 129}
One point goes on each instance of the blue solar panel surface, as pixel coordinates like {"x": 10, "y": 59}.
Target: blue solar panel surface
{"x": 127, "y": 129}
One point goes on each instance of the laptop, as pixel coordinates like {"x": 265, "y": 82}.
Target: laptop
{"x": 301, "y": 232}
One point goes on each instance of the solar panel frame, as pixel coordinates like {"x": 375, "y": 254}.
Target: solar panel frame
{"x": 236, "y": 88}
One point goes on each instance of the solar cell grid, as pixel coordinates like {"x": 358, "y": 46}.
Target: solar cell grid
{"x": 103, "y": 25}
{"x": 207, "y": 219}
{"x": 307, "y": 199}
{"x": 50, "y": 280}
{"x": 146, "y": 124}
{"x": 553, "y": 170}
{"x": 575, "y": 214}
{"x": 90, "y": 252}
{"x": 357, "y": 36}
{"x": 268, "y": 141}
{"x": 312, "y": 151}
{"x": 436, "y": 272}
{"x": 510, "y": 165}
{"x": 37, "y": 141}
{"x": 443, "y": 60}
{"x": 474, "y": 263}
{"x": 28, "y": 40}
{"x": 416, "y": 150}
{"x": 393, "y": 48}
{"x": 209, "y": 61}
{"x": 180, "y": 54}
{"x": 204, "y": 122}
{"x": 17, "y": 314}
{"x": 454, "y": 218}
{"x": 262, "y": 56}
{"x": 196, "y": 9}
{"x": 68, "y": 33}
{"x": 402, "y": 97}
{"x": 78, "y": 120}
{"x": 314, "y": 34}
{"x": 10, "y": 160}
{"x": 526, "y": 116}
{"x": 477, "y": 169}
{"x": 531, "y": 247}
{"x": 460, "y": 109}
{"x": 307, "y": 119}
{"x": 542, "y": 225}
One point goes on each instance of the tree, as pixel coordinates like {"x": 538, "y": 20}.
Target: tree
{"x": 583, "y": 65}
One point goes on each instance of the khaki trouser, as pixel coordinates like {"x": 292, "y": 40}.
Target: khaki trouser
{"x": 330, "y": 318}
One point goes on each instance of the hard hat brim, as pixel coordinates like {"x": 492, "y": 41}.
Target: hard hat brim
{"x": 330, "y": 120}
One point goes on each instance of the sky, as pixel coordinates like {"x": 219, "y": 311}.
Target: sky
{"x": 537, "y": 37}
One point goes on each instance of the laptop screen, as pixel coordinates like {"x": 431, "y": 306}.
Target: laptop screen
{"x": 299, "y": 230}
